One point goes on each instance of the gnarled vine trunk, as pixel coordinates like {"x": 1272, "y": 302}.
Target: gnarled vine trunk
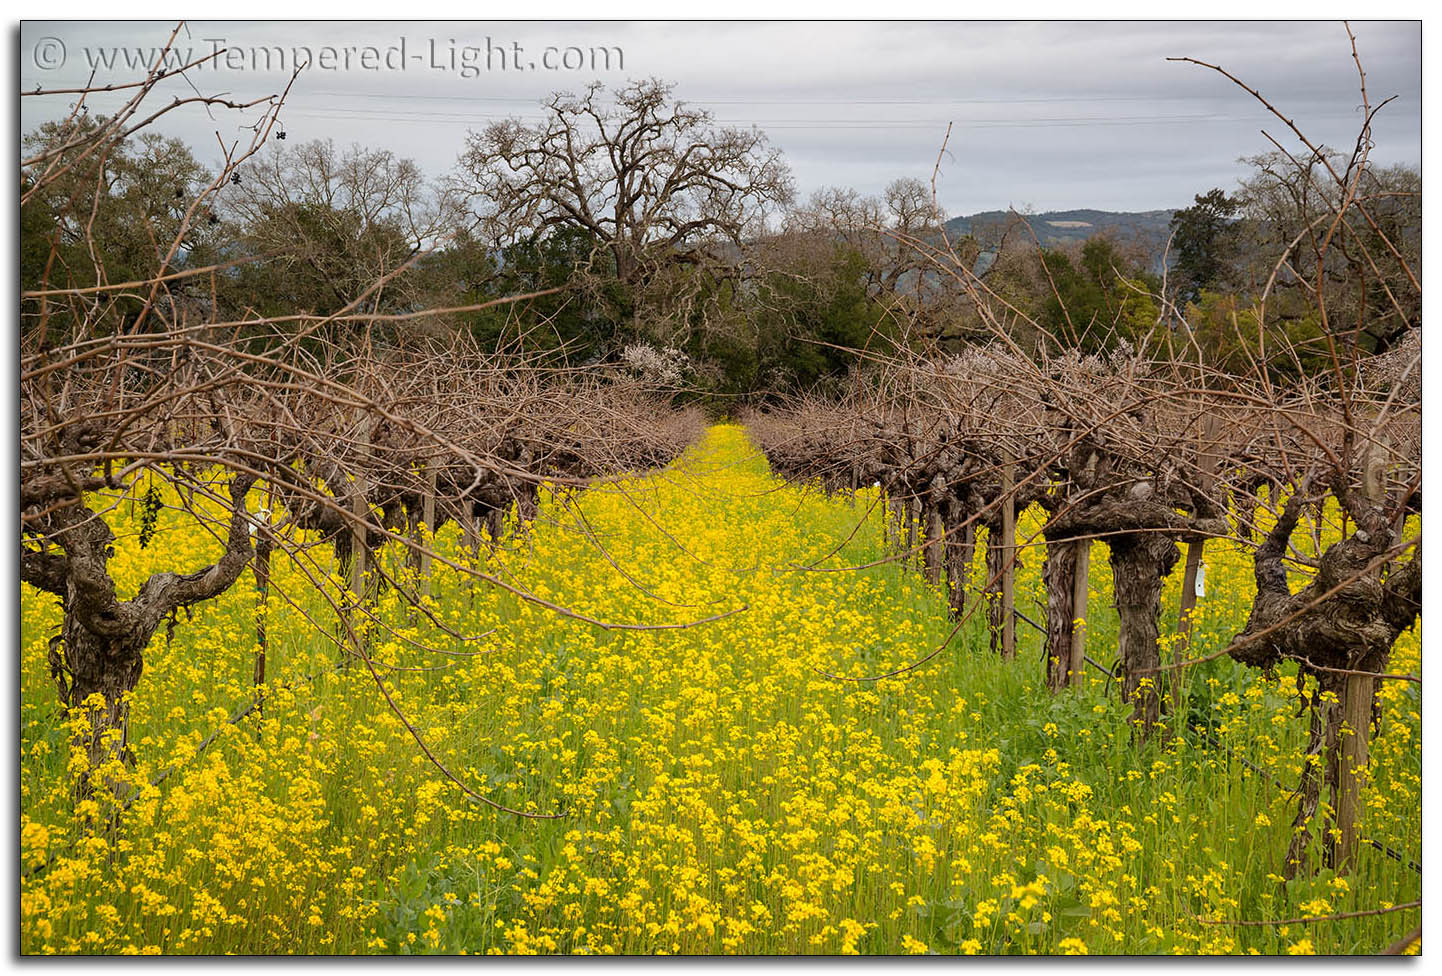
{"x": 1340, "y": 629}
{"x": 104, "y": 638}
{"x": 1140, "y": 561}
{"x": 1059, "y": 574}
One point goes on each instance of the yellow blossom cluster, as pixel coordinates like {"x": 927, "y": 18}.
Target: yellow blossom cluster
{"x": 719, "y": 792}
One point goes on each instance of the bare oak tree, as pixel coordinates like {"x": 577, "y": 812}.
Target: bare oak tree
{"x": 329, "y": 222}
{"x": 655, "y": 184}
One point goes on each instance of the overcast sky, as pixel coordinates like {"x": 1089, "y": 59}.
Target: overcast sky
{"x": 1047, "y": 115}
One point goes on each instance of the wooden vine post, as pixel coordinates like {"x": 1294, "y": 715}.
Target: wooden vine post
{"x": 1080, "y": 577}
{"x": 360, "y": 508}
{"x": 908, "y": 515}
{"x": 264, "y": 544}
{"x": 428, "y": 518}
{"x": 966, "y": 557}
{"x": 1008, "y": 556}
{"x": 1354, "y": 747}
{"x": 470, "y": 527}
{"x": 361, "y": 512}
{"x": 935, "y": 543}
{"x": 1207, "y": 460}
{"x": 1357, "y": 693}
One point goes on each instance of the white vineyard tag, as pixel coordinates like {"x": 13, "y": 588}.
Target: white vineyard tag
{"x": 1200, "y": 590}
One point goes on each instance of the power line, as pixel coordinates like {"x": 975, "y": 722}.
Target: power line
{"x": 796, "y": 123}
{"x": 834, "y": 100}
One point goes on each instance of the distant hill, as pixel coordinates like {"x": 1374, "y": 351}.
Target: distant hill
{"x": 1148, "y": 228}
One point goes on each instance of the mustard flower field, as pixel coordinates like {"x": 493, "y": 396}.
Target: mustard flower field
{"x": 716, "y": 792}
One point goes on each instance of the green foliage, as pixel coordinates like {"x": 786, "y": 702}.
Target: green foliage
{"x": 1200, "y": 241}
{"x": 582, "y": 324}
{"x": 311, "y": 228}
{"x": 115, "y": 225}
{"x": 1097, "y": 299}
{"x": 327, "y": 262}
{"x": 810, "y": 326}
{"x": 1224, "y": 327}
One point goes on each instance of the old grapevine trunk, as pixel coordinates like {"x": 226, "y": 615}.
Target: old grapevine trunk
{"x": 1140, "y": 561}
{"x": 108, "y": 665}
{"x": 1140, "y": 530}
{"x": 104, "y": 638}
{"x": 1340, "y": 629}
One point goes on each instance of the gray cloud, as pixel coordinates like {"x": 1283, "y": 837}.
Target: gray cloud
{"x": 1054, "y": 115}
